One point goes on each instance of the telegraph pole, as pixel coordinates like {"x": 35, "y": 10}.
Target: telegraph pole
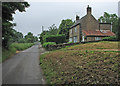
{"x": 42, "y": 28}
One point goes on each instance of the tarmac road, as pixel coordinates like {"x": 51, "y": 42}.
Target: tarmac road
{"x": 23, "y": 68}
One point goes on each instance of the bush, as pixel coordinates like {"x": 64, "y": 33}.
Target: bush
{"x": 48, "y": 43}
{"x": 55, "y": 38}
{"x": 111, "y": 38}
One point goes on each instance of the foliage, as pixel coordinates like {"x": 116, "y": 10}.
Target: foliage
{"x": 13, "y": 48}
{"x": 64, "y": 27}
{"x": 82, "y": 64}
{"x": 48, "y": 43}
{"x": 21, "y": 46}
{"x": 52, "y": 31}
{"x": 30, "y": 38}
{"x": 55, "y": 38}
{"x": 110, "y": 18}
{"x": 8, "y": 9}
{"x": 112, "y": 38}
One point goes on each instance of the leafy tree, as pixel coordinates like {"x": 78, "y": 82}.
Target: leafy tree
{"x": 17, "y": 36}
{"x": 30, "y": 38}
{"x": 42, "y": 36}
{"x": 9, "y": 8}
{"x": 110, "y": 18}
{"x": 64, "y": 27}
{"x": 52, "y": 30}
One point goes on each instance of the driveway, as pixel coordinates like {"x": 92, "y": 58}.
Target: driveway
{"x": 24, "y": 68}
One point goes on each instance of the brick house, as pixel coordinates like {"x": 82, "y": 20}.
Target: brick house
{"x": 89, "y": 29}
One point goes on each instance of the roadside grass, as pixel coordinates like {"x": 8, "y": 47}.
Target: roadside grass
{"x": 82, "y": 64}
{"x": 13, "y": 49}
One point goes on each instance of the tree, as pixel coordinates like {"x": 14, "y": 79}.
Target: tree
{"x": 110, "y": 18}
{"x": 52, "y": 30}
{"x": 64, "y": 27}
{"x": 9, "y": 8}
{"x": 30, "y": 38}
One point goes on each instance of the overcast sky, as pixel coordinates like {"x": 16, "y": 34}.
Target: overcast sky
{"x": 47, "y": 13}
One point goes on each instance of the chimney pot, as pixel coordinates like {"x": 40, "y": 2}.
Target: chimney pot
{"x": 89, "y": 10}
{"x": 77, "y": 17}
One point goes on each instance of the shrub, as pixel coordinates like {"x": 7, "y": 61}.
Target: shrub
{"x": 48, "y": 43}
{"x": 111, "y": 38}
{"x": 55, "y": 38}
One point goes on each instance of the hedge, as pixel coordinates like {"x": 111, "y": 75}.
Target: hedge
{"x": 61, "y": 38}
{"x": 45, "y": 45}
{"x": 111, "y": 38}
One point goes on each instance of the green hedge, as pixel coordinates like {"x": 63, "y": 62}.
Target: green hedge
{"x": 55, "y": 38}
{"x": 111, "y": 38}
{"x": 45, "y": 45}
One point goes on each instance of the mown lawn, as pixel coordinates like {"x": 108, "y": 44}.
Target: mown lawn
{"x": 88, "y": 63}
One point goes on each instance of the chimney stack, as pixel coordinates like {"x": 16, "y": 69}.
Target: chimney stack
{"x": 89, "y": 10}
{"x": 77, "y": 17}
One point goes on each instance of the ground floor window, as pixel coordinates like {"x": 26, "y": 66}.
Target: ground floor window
{"x": 70, "y": 39}
{"x": 97, "y": 38}
{"x": 75, "y": 39}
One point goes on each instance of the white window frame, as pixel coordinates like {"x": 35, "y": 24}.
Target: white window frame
{"x": 75, "y": 39}
{"x": 97, "y": 38}
{"x": 70, "y": 39}
{"x": 75, "y": 29}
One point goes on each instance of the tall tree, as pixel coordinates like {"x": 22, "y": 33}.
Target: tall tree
{"x": 64, "y": 27}
{"x": 110, "y": 18}
{"x": 52, "y": 30}
{"x": 8, "y": 9}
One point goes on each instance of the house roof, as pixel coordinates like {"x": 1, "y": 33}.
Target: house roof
{"x": 98, "y": 33}
{"x": 78, "y": 21}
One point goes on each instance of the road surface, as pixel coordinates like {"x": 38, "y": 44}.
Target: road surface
{"x": 23, "y": 68}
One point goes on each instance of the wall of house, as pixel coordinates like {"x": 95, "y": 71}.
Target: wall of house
{"x": 105, "y": 27}
{"x": 90, "y": 38}
{"x": 93, "y": 38}
{"x": 75, "y": 34}
{"x": 92, "y": 23}
{"x": 70, "y": 34}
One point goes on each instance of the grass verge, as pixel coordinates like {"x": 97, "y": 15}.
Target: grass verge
{"x": 13, "y": 48}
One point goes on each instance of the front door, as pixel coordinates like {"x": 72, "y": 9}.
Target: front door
{"x": 83, "y": 38}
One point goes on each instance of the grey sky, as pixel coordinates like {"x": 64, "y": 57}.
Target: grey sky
{"x": 47, "y": 13}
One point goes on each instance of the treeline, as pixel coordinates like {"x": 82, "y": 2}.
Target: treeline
{"x": 10, "y": 35}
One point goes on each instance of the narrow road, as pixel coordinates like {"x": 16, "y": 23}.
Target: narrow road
{"x": 23, "y": 68}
